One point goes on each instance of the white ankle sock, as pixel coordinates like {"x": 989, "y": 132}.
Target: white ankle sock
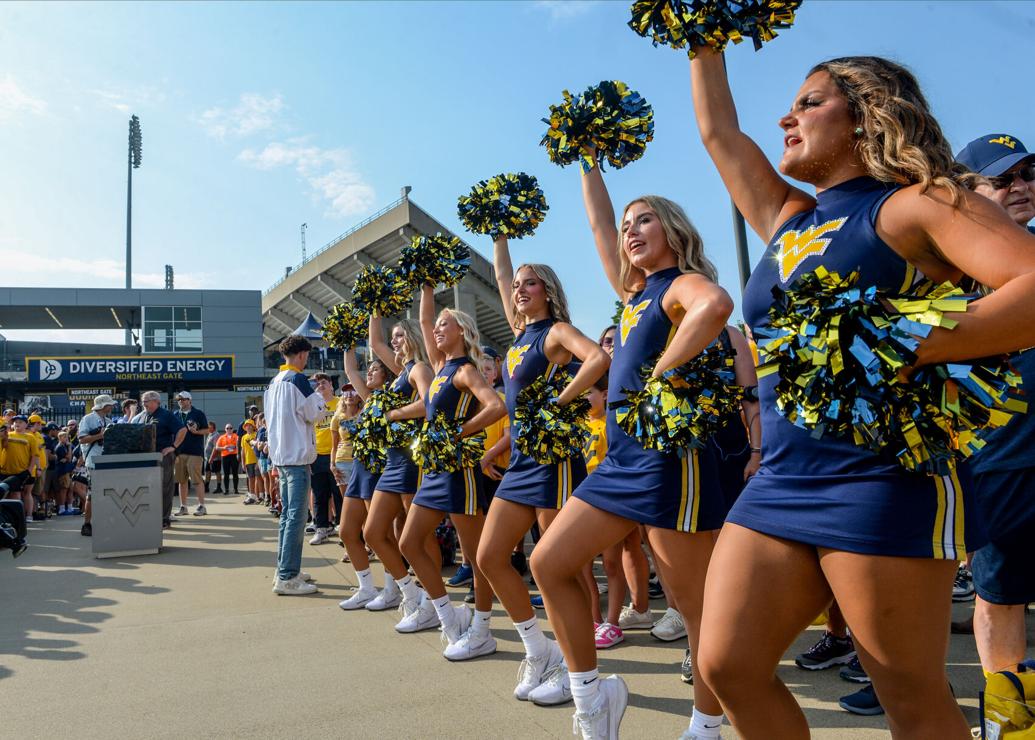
{"x": 390, "y": 585}
{"x": 446, "y": 612}
{"x": 532, "y": 636}
{"x": 705, "y": 725}
{"x": 366, "y": 580}
{"x": 480, "y": 625}
{"x": 585, "y": 688}
{"x": 409, "y": 588}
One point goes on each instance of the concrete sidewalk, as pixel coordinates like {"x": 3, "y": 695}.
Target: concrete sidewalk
{"x": 192, "y": 643}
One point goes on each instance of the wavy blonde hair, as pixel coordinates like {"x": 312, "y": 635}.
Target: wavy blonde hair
{"x": 558, "y": 303}
{"x": 413, "y": 342}
{"x": 901, "y": 140}
{"x": 472, "y": 339}
{"x": 683, "y": 239}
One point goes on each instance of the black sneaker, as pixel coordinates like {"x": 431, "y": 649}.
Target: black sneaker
{"x": 854, "y": 672}
{"x": 469, "y": 598}
{"x": 520, "y": 562}
{"x": 864, "y": 701}
{"x": 654, "y": 589}
{"x": 87, "y": 530}
{"x": 829, "y": 651}
{"x": 687, "y": 669}
{"x": 963, "y": 586}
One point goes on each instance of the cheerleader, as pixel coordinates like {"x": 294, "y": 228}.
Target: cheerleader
{"x": 396, "y": 486}
{"x": 673, "y": 310}
{"x": 458, "y": 387}
{"x": 537, "y": 310}
{"x": 822, "y": 516}
{"x": 358, "y": 491}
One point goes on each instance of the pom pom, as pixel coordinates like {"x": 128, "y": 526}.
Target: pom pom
{"x": 685, "y": 24}
{"x": 840, "y": 351}
{"x": 377, "y": 431}
{"x": 345, "y": 327}
{"x": 609, "y": 117}
{"x": 381, "y": 290}
{"x": 435, "y": 259}
{"x": 684, "y": 407}
{"x": 505, "y": 205}
{"x": 439, "y": 448}
{"x": 370, "y": 453}
{"x": 546, "y": 431}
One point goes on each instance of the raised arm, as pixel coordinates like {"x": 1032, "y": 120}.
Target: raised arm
{"x": 504, "y": 269}
{"x": 491, "y": 408}
{"x": 601, "y": 215}
{"x": 427, "y": 325}
{"x": 565, "y": 338}
{"x": 355, "y": 375}
{"x": 705, "y": 309}
{"x": 765, "y": 198}
{"x": 380, "y": 347}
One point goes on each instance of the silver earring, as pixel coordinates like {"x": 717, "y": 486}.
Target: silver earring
{"x": 859, "y": 131}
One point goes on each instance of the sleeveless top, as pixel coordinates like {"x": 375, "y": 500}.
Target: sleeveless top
{"x": 526, "y": 361}
{"x": 445, "y": 397}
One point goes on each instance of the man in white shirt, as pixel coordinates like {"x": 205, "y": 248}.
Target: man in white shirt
{"x": 292, "y": 406}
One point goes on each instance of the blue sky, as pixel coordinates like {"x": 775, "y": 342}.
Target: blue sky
{"x": 259, "y": 117}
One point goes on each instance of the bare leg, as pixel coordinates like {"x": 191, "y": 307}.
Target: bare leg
{"x": 469, "y": 530}
{"x": 377, "y": 531}
{"x": 637, "y": 572}
{"x": 588, "y": 584}
{"x": 505, "y": 525}
{"x": 419, "y": 522}
{"x": 353, "y": 515}
{"x": 1000, "y": 635}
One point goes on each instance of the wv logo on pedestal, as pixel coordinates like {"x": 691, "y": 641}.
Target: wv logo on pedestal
{"x": 130, "y": 504}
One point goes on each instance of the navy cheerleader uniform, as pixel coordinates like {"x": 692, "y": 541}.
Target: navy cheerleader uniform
{"x": 459, "y": 492}
{"x": 828, "y": 492}
{"x": 400, "y": 474}
{"x": 650, "y": 487}
{"x": 526, "y": 481}
{"x": 361, "y": 482}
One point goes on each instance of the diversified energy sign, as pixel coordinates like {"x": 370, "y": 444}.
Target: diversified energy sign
{"x": 111, "y": 369}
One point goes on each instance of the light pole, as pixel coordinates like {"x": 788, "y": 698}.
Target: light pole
{"x": 132, "y": 162}
{"x": 740, "y": 240}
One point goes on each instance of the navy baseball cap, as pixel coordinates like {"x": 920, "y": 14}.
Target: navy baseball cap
{"x": 993, "y": 154}
{"x": 490, "y": 352}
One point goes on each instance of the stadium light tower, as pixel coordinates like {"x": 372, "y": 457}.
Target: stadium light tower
{"x": 133, "y": 161}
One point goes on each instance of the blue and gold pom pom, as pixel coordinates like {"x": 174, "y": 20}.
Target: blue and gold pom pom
{"x": 435, "y": 259}
{"x": 683, "y": 408}
{"x": 545, "y": 430}
{"x": 843, "y": 352}
{"x": 607, "y": 121}
{"x": 369, "y": 450}
{"x": 439, "y": 448}
{"x": 684, "y": 24}
{"x": 510, "y": 205}
{"x": 380, "y": 290}
{"x": 345, "y": 326}
{"x": 379, "y": 431}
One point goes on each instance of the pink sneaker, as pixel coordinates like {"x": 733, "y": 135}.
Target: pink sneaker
{"x": 608, "y": 635}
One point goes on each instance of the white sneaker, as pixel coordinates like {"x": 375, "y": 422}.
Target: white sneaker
{"x": 250, "y": 499}
{"x": 302, "y": 576}
{"x": 602, "y": 723}
{"x": 461, "y": 623}
{"x": 555, "y": 688}
{"x": 320, "y": 537}
{"x": 182, "y": 511}
{"x": 385, "y": 600}
{"x": 602, "y": 588}
{"x": 532, "y": 671}
{"x": 358, "y": 600}
{"x": 294, "y": 587}
{"x": 630, "y": 619}
{"x": 310, "y": 528}
{"x": 201, "y": 510}
{"x": 469, "y": 646}
{"x": 417, "y": 618}
{"x": 670, "y": 627}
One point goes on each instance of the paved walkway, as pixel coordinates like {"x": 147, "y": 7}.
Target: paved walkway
{"x": 192, "y": 643}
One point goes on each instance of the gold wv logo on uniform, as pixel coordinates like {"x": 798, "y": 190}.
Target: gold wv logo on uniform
{"x": 514, "y": 357}
{"x": 631, "y": 317}
{"x": 1005, "y": 141}
{"x": 436, "y": 386}
{"x": 130, "y": 504}
{"x": 797, "y": 246}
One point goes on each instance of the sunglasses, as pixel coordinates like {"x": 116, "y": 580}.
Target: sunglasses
{"x": 1027, "y": 174}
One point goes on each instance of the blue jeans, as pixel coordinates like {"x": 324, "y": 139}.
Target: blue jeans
{"x": 294, "y": 501}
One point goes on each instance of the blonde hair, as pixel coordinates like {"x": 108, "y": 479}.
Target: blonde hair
{"x": 413, "y": 342}
{"x": 683, "y": 239}
{"x": 901, "y": 140}
{"x": 472, "y": 340}
{"x": 557, "y": 303}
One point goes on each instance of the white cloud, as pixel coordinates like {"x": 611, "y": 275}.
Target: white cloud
{"x": 564, "y": 9}
{"x": 329, "y": 172}
{"x": 126, "y": 100}
{"x": 31, "y": 269}
{"x": 14, "y": 100}
{"x": 253, "y": 114}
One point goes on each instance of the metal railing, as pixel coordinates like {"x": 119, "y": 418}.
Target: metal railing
{"x": 335, "y": 240}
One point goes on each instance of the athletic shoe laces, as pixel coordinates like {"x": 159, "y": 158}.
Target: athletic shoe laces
{"x": 592, "y": 725}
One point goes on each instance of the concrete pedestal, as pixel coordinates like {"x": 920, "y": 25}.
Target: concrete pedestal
{"x": 126, "y": 495}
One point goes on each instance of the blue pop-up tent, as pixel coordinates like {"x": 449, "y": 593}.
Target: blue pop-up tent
{"x": 310, "y": 328}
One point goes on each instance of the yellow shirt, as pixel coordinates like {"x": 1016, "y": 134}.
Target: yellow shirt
{"x": 596, "y": 445}
{"x": 322, "y": 430}
{"x": 344, "y": 451}
{"x": 41, "y": 450}
{"x": 493, "y": 433}
{"x": 20, "y": 447}
{"x": 250, "y": 458}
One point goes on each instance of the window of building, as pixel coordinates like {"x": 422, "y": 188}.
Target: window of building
{"x": 172, "y": 329}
